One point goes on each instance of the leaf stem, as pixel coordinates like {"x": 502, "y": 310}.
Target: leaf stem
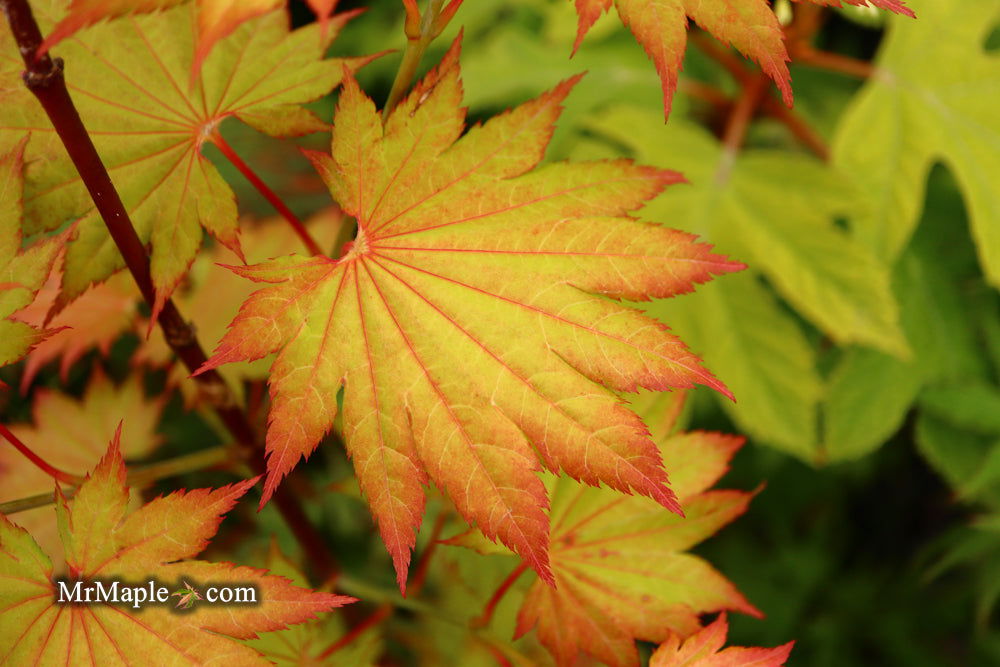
{"x": 384, "y": 611}
{"x": 742, "y": 113}
{"x": 491, "y": 606}
{"x": 266, "y": 192}
{"x": 705, "y": 92}
{"x": 834, "y": 62}
{"x": 38, "y": 461}
{"x": 423, "y": 566}
{"x": 809, "y": 137}
{"x": 44, "y": 78}
{"x": 418, "y": 37}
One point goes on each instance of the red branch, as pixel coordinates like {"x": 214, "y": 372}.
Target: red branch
{"x": 376, "y": 617}
{"x": 809, "y": 137}
{"x": 739, "y": 119}
{"x": 491, "y": 606}
{"x": 44, "y": 78}
{"x": 268, "y": 193}
{"x": 834, "y": 62}
{"x": 40, "y": 463}
{"x": 423, "y": 566}
{"x": 802, "y": 131}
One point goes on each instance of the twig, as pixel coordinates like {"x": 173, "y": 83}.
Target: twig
{"x": 40, "y": 463}
{"x": 809, "y": 137}
{"x": 423, "y": 566}
{"x": 376, "y": 617}
{"x": 743, "y": 111}
{"x": 266, "y": 192}
{"x": 704, "y": 91}
{"x": 44, "y": 78}
{"x": 834, "y": 62}
{"x": 724, "y": 57}
{"x": 491, "y": 606}
{"x": 807, "y": 21}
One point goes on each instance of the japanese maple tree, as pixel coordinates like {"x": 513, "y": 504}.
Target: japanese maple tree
{"x": 494, "y": 336}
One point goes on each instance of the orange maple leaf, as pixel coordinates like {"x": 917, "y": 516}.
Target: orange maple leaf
{"x": 620, "y": 565}
{"x": 702, "y": 650}
{"x": 474, "y": 319}
{"x": 660, "y": 26}
{"x": 102, "y": 542}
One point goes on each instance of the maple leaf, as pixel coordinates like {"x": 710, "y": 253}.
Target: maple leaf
{"x": 100, "y": 541}
{"x": 660, "y": 26}
{"x": 702, "y": 650}
{"x": 216, "y": 19}
{"x": 95, "y": 320}
{"x": 22, "y": 272}
{"x": 126, "y": 78}
{"x": 72, "y": 435}
{"x": 932, "y": 98}
{"x": 620, "y": 565}
{"x": 469, "y": 322}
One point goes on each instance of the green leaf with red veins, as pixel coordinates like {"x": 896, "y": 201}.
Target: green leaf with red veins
{"x": 474, "y": 322}
{"x": 129, "y": 79}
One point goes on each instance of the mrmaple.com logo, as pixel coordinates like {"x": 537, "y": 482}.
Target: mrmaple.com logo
{"x": 151, "y": 592}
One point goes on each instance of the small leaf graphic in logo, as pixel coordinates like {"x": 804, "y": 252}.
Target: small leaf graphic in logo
{"x": 188, "y": 595}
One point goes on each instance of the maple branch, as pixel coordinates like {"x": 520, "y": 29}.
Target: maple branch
{"x": 809, "y": 137}
{"x": 491, "y": 606}
{"x": 423, "y": 566}
{"x": 266, "y": 192}
{"x": 420, "y": 32}
{"x": 38, "y": 461}
{"x": 44, "y": 78}
{"x": 739, "y": 71}
{"x": 834, "y": 62}
{"x": 743, "y": 111}
{"x": 807, "y": 21}
{"x": 376, "y": 617}
{"x": 705, "y": 92}
{"x": 721, "y": 55}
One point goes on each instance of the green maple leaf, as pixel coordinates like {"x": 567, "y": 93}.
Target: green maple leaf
{"x": 22, "y": 272}
{"x": 932, "y": 97}
{"x": 778, "y": 211}
{"x": 129, "y": 80}
{"x": 470, "y": 322}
